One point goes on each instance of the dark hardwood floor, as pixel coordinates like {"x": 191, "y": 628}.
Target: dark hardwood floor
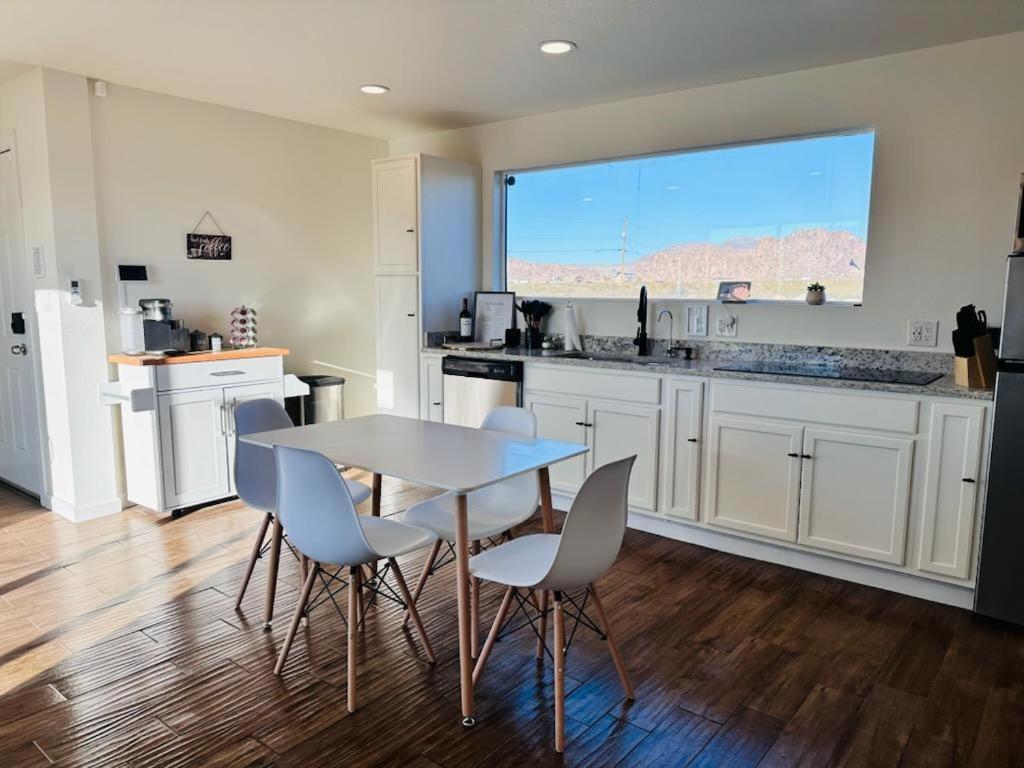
{"x": 120, "y": 645}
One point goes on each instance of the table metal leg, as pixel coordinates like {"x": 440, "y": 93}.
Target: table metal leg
{"x": 474, "y": 606}
{"x": 548, "y": 519}
{"x": 275, "y": 558}
{"x": 462, "y": 584}
{"x": 375, "y": 511}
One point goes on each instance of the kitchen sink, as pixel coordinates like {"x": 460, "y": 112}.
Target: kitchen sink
{"x": 632, "y": 359}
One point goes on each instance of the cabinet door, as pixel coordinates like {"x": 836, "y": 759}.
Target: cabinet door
{"x": 562, "y": 418}
{"x": 431, "y": 390}
{"x": 395, "y": 215}
{"x": 273, "y": 390}
{"x": 855, "y": 492}
{"x": 193, "y": 446}
{"x": 617, "y": 431}
{"x": 398, "y": 345}
{"x": 950, "y": 489}
{"x": 753, "y": 476}
{"x": 681, "y": 448}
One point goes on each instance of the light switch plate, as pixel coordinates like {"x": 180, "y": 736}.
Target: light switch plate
{"x": 923, "y": 333}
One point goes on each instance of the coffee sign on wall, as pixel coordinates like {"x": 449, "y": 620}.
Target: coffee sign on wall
{"x": 210, "y": 247}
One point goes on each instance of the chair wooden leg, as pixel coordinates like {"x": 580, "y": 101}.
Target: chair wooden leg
{"x": 275, "y": 559}
{"x": 559, "y": 654}
{"x": 417, "y": 622}
{"x": 354, "y": 590}
{"x": 613, "y": 646}
{"x": 474, "y": 607}
{"x": 424, "y": 575}
{"x": 543, "y": 624}
{"x": 254, "y": 556}
{"x": 492, "y": 636}
{"x": 307, "y": 587}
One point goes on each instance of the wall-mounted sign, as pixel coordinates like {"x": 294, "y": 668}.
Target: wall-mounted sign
{"x": 210, "y": 247}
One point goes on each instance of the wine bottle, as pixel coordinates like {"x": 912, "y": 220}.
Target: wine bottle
{"x": 465, "y": 322}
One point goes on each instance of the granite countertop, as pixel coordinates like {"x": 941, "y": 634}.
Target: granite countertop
{"x": 705, "y": 367}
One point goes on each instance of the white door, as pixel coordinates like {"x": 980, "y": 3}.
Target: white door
{"x": 395, "y": 215}
{"x": 20, "y": 458}
{"x": 562, "y": 418}
{"x": 681, "y": 448}
{"x": 273, "y": 390}
{"x": 194, "y": 446}
{"x": 431, "y": 390}
{"x": 753, "y": 481}
{"x": 618, "y": 430}
{"x": 855, "y": 493}
{"x": 398, "y": 345}
{"x": 951, "y": 489}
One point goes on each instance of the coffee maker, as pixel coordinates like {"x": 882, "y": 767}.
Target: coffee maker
{"x": 162, "y": 333}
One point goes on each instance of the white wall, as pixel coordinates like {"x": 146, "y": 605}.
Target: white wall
{"x": 48, "y": 113}
{"x": 294, "y": 197}
{"x": 949, "y": 153}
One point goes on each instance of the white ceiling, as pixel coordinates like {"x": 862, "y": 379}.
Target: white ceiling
{"x": 453, "y": 63}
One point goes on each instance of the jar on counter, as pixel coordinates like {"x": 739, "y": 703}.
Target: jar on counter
{"x": 133, "y": 340}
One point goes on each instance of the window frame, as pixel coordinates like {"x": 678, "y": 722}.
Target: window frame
{"x": 502, "y": 219}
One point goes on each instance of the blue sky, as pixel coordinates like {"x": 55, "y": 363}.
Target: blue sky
{"x": 575, "y": 215}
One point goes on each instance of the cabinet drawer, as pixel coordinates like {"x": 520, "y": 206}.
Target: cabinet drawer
{"x": 219, "y": 373}
{"x": 808, "y": 405}
{"x": 598, "y": 384}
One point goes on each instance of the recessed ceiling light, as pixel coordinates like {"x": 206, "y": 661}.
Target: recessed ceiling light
{"x": 557, "y": 47}
{"x": 374, "y": 90}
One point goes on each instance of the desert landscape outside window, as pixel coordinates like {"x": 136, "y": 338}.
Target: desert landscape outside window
{"x": 779, "y": 213}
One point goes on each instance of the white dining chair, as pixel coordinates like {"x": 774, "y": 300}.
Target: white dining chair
{"x": 491, "y": 512}
{"x": 256, "y": 471}
{"x": 319, "y": 515}
{"x": 567, "y": 565}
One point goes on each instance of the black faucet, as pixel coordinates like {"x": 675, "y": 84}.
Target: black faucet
{"x": 641, "y": 332}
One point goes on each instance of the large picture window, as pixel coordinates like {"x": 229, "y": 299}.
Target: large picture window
{"x": 781, "y": 214}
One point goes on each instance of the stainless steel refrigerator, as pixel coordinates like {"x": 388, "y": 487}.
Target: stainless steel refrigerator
{"x": 1000, "y": 588}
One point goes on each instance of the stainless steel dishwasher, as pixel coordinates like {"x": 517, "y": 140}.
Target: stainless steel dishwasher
{"x": 474, "y": 387}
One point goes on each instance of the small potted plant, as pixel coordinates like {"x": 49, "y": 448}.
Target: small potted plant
{"x": 815, "y": 294}
{"x": 533, "y": 313}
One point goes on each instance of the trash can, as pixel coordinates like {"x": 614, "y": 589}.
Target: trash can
{"x": 325, "y": 401}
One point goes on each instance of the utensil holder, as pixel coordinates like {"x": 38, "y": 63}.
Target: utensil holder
{"x": 979, "y": 370}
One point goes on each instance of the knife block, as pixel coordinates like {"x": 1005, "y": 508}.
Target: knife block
{"x": 979, "y": 370}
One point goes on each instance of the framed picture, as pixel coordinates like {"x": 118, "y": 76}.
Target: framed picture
{"x": 725, "y": 325}
{"x": 492, "y": 315}
{"x": 697, "y": 320}
{"x": 208, "y": 247}
{"x": 734, "y": 292}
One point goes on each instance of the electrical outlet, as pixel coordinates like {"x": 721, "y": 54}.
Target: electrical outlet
{"x": 923, "y": 333}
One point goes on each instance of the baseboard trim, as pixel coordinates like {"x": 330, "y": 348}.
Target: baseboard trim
{"x": 81, "y": 513}
{"x": 902, "y": 583}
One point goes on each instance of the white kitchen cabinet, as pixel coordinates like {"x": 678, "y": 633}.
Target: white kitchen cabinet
{"x": 398, "y": 345}
{"x": 753, "y": 476}
{"x": 193, "y": 446}
{"x": 180, "y": 452}
{"x": 431, "y": 389}
{"x": 681, "y": 448}
{"x": 562, "y": 418}
{"x": 855, "y": 493}
{"x": 951, "y": 489}
{"x": 617, "y": 430}
{"x": 396, "y": 215}
{"x": 426, "y": 242}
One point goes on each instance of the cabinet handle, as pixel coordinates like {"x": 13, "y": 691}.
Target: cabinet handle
{"x": 580, "y": 424}
{"x": 691, "y": 439}
{"x": 806, "y": 456}
{"x": 587, "y": 424}
{"x": 793, "y": 455}
{"x": 410, "y": 314}
{"x": 410, "y": 231}
{"x": 223, "y": 421}
{"x": 968, "y": 479}
{"x": 435, "y": 403}
{"x": 227, "y": 373}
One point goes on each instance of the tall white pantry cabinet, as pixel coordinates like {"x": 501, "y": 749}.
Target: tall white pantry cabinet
{"x": 426, "y": 249}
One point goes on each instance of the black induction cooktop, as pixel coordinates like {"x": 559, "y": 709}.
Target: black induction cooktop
{"x": 823, "y": 371}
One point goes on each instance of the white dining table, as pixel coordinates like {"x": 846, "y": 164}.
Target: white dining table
{"x": 443, "y": 456}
